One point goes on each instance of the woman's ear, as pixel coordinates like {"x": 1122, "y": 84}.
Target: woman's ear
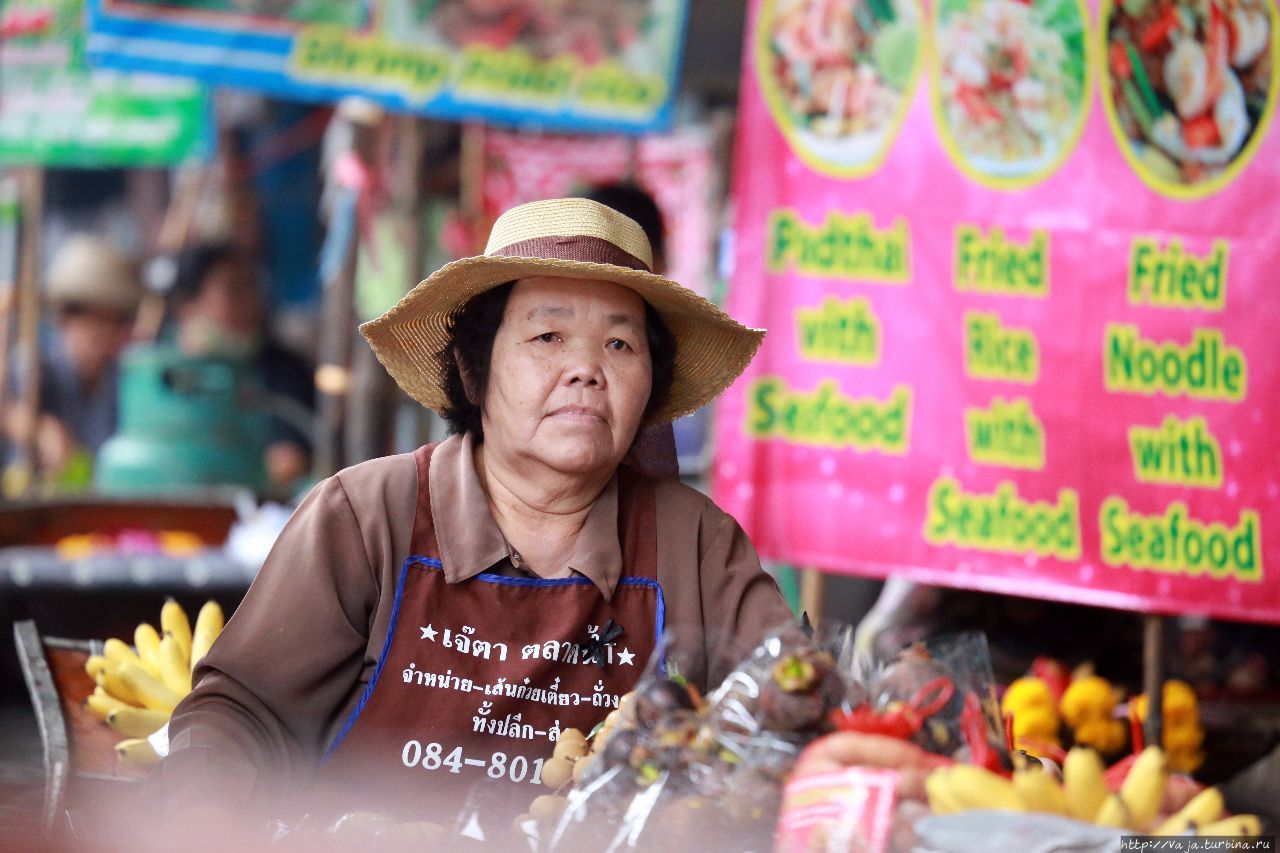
{"x": 469, "y": 385}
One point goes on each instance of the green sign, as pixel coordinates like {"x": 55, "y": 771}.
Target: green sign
{"x": 56, "y": 111}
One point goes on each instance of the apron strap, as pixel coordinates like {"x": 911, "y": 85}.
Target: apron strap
{"x": 637, "y": 519}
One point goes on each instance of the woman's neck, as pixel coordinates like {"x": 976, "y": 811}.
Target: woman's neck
{"x": 540, "y": 512}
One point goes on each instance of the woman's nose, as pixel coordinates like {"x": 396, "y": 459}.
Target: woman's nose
{"x": 584, "y": 368}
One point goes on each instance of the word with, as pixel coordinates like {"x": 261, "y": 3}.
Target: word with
{"x": 496, "y": 766}
{"x": 1206, "y": 368}
{"x": 510, "y": 726}
{"x": 827, "y": 418}
{"x": 843, "y": 246}
{"x": 994, "y": 264}
{"x": 462, "y": 643}
{"x": 445, "y": 681}
{"x": 1174, "y": 278}
{"x": 336, "y": 55}
{"x": 611, "y": 85}
{"x": 551, "y": 695}
{"x": 1002, "y": 522}
{"x": 567, "y": 652}
{"x": 995, "y": 351}
{"x": 1176, "y": 453}
{"x": 844, "y": 331}
{"x": 1176, "y": 542}
{"x": 514, "y": 72}
{"x": 1008, "y": 434}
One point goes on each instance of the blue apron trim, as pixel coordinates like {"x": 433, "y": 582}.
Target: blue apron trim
{"x": 432, "y": 563}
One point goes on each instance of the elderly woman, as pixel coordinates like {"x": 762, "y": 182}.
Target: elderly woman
{"x": 429, "y": 620}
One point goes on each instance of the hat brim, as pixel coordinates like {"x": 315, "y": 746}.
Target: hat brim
{"x": 712, "y": 349}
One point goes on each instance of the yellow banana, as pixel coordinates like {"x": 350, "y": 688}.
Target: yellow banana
{"x": 120, "y": 652}
{"x": 173, "y": 620}
{"x": 1114, "y": 813}
{"x": 109, "y": 680}
{"x": 1039, "y": 791}
{"x": 173, "y": 666}
{"x": 1205, "y": 807}
{"x": 938, "y": 790}
{"x": 150, "y": 691}
{"x": 978, "y": 788}
{"x": 1083, "y": 783}
{"x": 100, "y": 703}
{"x": 1236, "y": 826}
{"x": 147, "y": 640}
{"x": 209, "y": 624}
{"x": 1143, "y": 787}
{"x": 136, "y": 752}
{"x": 94, "y": 665}
{"x": 136, "y": 722}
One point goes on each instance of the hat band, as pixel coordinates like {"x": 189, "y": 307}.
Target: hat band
{"x": 575, "y": 248}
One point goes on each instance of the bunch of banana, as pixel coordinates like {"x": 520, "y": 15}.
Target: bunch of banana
{"x": 138, "y": 686}
{"x": 1083, "y": 795}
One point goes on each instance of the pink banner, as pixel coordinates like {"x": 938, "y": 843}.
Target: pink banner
{"x": 1017, "y": 264}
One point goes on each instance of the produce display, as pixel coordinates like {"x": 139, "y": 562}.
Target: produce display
{"x": 139, "y": 685}
{"x": 1190, "y": 81}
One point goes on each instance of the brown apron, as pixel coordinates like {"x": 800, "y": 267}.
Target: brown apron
{"x": 477, "y": 679}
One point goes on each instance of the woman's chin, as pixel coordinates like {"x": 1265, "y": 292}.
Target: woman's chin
{"x": 575, "y": 456}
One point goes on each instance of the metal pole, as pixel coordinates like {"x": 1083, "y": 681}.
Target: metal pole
{"x": 1153, "y": 675}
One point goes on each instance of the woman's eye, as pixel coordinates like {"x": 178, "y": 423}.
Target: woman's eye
{"x": 547, "y": 337}
{"x": 619, "y": 345}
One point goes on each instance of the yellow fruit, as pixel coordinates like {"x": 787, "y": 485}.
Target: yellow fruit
{"x": 570, "y": 749}
{"x": 938, "y": 791}
{"x": 556, "y": 772}
{"x": 1025, "y": 693}
{"x": 173, "y": 620}
{"x": 209, "y": 624}
{"x": 136, "y": 752}
{"x": 1039, "y": 792}
{"x": 1205, "y": 807}
{"x": 173, "y": 666}
{"x": 548, "y": 808}
{"x": 1086, "y": 699}
{"x": 150, "y": 691}
{"x": 120, "y": 652}
{"x": 136, "y": 722}
{"x": 978, "y": 788}
{"x": 147, "y": 641}
{"x": 109, "y": 680}
{"x": 1143, "y": 788}
{"x": 95, "y": 665}
{"x": 1113, "y": 813}
{"x": 1236, "y": 826}
{"x": 582, "y": 767}
{"x": 1083, "y": 783}
{"x": 100, "y": 703}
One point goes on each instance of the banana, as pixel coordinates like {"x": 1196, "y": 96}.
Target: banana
{"x": 173, "y": 666}
{"x": 136, "y": 722}
{"x": 94, "y": 665}
{"x": 1204, "y": 808}
{"x": 100, "y": 703}
{"x": 1083, "y": 783}
{"x": 136, "y": 752}
{"x": 209, "y": 624}
{"x": 1236, "y": 826}
{"x": 1143, "y": 788}
{"x": 147, "y": 640}
{"x": 1039, "y": 792}
{"x": 941, "y": 801}
{"x": 149, "y": 689}
{"x": 109, "y": 680}
{"x": 1114, "y": 813}
{"x": 173, "y": 620}
{"x": 978, "y": 788}
{"x": 120, "y": 652}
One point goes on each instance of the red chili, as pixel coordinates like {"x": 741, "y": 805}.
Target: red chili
{"x": 1157, "y": 32}
{"x": 1120, "y": 66}
{"x": 1201, "y": 132}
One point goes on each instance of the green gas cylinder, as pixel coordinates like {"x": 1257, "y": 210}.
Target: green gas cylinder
{"x": 184, "y": 425}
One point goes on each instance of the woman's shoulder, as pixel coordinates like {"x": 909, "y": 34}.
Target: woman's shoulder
{"x": 679, "y": 503}
{"x": 375, "y": 480}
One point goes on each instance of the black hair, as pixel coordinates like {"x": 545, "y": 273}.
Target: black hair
{"x": 471, "y": 335}
{"x": 193, "y": 265}
{"x": 633, "y": 201}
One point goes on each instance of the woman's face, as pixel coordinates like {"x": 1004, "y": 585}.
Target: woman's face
{"x": 570, "y": 374}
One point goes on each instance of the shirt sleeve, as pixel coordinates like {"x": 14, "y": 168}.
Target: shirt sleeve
{"x": 741, "y": 602}
{"x": 269, "y": 691}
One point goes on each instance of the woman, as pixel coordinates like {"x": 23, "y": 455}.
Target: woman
{"x": 433, "y": 619}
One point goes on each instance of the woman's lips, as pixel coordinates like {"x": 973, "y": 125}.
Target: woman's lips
{"x": 580, "y": 414}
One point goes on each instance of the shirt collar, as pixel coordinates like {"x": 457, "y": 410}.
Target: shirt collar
{"x": 471, "y": 542}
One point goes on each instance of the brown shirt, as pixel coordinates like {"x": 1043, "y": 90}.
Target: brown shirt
{"x": 289, "y": 667}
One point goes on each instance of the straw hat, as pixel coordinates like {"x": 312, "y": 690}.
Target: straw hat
{"x": 88, "y": 271}
{"x": 570, "y": 238}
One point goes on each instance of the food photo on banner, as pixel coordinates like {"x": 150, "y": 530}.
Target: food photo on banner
{"x": 583, "y": 65}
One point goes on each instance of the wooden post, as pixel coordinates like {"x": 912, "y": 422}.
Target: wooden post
{"x": 1153, "y": 675}
{"x": 10, "y": 216}
{"x": 21, "y": 473}
{"x": 812, "y": 593}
